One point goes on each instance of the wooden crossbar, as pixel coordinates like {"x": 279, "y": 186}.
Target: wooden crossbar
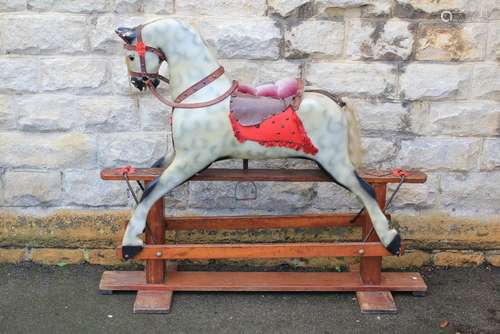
{"x": 258, "y": 251}
{"x": 276, "y": 175}
{"x": 263, "y": 222}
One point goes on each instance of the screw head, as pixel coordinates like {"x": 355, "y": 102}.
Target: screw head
{"x": 158, "y": 254}
{"x": 361, "y": 251}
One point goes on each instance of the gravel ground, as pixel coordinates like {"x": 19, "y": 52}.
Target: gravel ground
{"x": 42, "y": 299}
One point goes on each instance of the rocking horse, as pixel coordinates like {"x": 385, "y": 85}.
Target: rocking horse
{"x": 215, "y": 118}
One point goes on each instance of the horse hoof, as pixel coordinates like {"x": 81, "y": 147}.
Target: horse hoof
{"x": 395, "y": 246}
{"x": 128, "y": 252}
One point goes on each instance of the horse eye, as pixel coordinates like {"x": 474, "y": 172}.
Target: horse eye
{"x": 131, "y": 58}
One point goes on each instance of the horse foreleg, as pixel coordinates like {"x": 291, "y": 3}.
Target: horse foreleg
{"x": 180, "y": 170}
{"x": 344, "y": 173}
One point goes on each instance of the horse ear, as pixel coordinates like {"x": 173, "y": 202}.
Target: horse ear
{"x": 127, "y": 34}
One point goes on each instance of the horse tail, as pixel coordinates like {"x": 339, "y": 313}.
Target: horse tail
{"x": 354, "y": 137}
{"x": 353, "y": 133}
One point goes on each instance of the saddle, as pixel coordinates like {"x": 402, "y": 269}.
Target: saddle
{"x": 267, "y": 115}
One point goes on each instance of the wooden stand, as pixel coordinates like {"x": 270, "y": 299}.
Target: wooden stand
{"x": 156, "y": 284}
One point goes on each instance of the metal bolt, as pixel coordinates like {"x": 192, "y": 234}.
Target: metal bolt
{"x": 158, "y": 254}
{"x": 361, "y": 251}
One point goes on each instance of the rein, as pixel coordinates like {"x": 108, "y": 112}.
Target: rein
{"x": 141, "y": 50}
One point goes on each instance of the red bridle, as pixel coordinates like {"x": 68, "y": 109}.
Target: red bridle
{"x": 140, "y": 48}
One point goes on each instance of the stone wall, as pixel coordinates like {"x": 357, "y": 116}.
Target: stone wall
{"x": 426, "y": 91}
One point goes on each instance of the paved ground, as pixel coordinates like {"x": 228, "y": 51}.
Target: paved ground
{"x": 37, "y": 299}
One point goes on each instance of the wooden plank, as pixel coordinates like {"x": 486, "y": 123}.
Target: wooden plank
{"x": 376, "y": 302}
{"x": 259, "y": 251}
{"x": 157, "y": 302}
{"x": 262, "y": 281}
{"x": 283, "y": 175}
{"x": 261, "y": 222}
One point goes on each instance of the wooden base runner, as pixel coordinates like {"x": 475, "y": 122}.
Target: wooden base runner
{"x": 261, "y": 281}
{"x": 156, "y": 284}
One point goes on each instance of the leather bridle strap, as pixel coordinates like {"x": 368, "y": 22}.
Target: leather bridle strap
{"x": 194, "y": 105}
{"x": 141, "y": 50}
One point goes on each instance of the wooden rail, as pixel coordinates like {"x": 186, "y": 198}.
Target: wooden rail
{"x": 277, "y": 175}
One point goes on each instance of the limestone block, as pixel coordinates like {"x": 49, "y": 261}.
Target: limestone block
{"x": 29, "y": 33}
{"x": 73, "y": 73}
{"x": 455, "y": 119}
{"x": 492, "y": 258}
{"x": 493, "y": 49}
{"x": 155, "y": 116}
{"x": 19, "y": 74}
{"x": 444, "y": 42}
{"x": 53, "y": 256}
{"x": 458, "y": 259}
{"x": 85, "y": 188}
{"x": 431, "y": 153}
{"x": 355, "y": 7}
{"x": 434, "y": 81}
{"x": 316, "y": 38}
{"x": 14, "y": 255}
{"x": 46, "y": 112}
{"x": 491, "y": 154}
{"x": 140, "y": 149}
{"x": 418, "y": 195}
{"x": 128, "y": 6}
{"x": 485, "y": 82}
{"x": 275, "y": 197}
{"x": 88, "y": 6}
{"x": 8, "y": 113}
{"x": 12, "y": 5}
{"x": 240, "y": 38}
{"x": 385, "y": 40}
{"x": 285, "y": 7}
{"x": 411, "y": 259}
{"x": 159, "y": 6}
{"x": 382, "y": 116}
{"x": 29, "y": 188}
{"x": 377, "y": 151}
{"x": 259, "y": 72}
{"x": 372, "y": 79}
{"x": 460, "y": 9}
{"x": 471, "y": 194}
{"x": 491, "y": 9}
{"x": 69, "y": 150}
{"x": 333, "y": 197}
{"x": 104, "y": 257}
{"x": 221, "y": 7}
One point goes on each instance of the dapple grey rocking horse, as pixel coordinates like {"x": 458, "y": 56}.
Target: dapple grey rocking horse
{"x": 215, "y": 118}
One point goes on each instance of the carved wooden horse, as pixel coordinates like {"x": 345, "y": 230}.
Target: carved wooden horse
{"x": 213, "y": 120}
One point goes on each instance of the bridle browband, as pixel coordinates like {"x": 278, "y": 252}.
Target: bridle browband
{"x": 140, "y": 48}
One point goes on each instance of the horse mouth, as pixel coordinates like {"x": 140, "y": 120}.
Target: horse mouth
{"x": 140, "y": 83}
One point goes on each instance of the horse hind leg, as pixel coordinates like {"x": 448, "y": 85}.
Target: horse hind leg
{"x": 344, "y": 174}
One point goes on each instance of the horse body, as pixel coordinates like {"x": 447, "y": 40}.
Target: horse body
{"x": 204, "y": 135}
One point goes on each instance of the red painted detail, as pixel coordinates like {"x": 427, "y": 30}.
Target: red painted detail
{"x": 140, "y": 48}
{"x": 126, "y": 170}
{"x": 399, "y": 172}
{"x": 284, "y": 129}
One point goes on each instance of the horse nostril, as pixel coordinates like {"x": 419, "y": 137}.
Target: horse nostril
{"x": 145, "y": 78}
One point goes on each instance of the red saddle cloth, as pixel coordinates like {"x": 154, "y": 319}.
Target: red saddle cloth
{"x": 270, "y": 121}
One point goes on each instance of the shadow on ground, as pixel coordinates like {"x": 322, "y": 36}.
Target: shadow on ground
{"x": 39, "y": 299}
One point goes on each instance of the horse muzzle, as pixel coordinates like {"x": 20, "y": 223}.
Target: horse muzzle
{"x": 140, "y": 83}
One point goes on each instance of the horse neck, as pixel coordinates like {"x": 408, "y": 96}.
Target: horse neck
{"x": 189, "y": 60}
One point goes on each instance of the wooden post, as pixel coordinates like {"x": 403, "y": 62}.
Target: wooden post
{"x": 371, "y": 267}
{"x": 155, "y": 234}
{"x": 154, "y": 301}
